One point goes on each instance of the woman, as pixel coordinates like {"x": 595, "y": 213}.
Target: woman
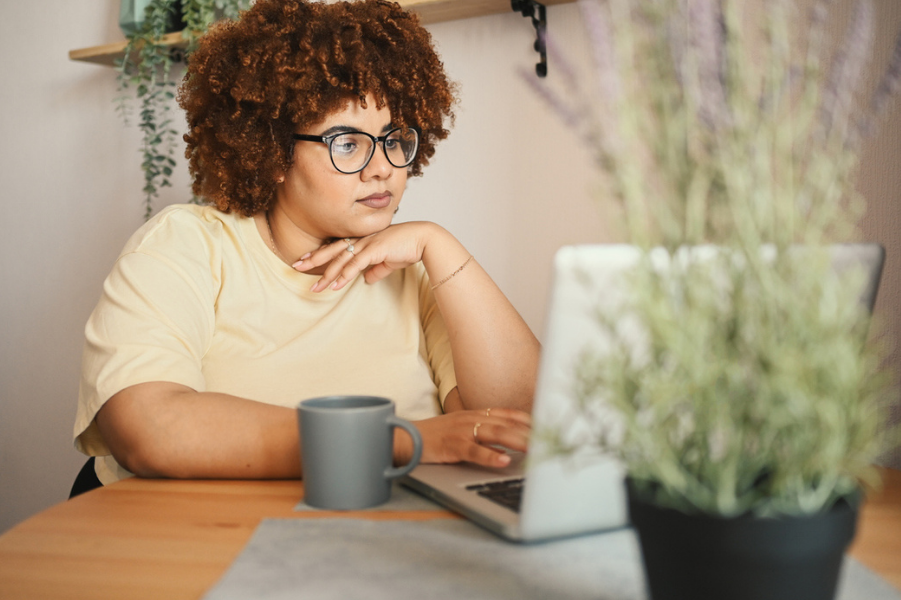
{"x": 305, "y": 121}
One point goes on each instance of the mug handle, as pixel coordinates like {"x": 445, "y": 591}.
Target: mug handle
{"x": 394, "y": 472}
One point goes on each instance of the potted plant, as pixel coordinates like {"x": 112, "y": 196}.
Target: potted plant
{"x": 146, "y": 66}
{"x": 736, "y": 385}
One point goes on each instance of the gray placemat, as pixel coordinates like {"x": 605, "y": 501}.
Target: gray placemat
{"x": 448, "y": 559}
{"x": 402, "y": 498}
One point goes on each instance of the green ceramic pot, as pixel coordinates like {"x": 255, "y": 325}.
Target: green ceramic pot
{"x": 131, "y": 16}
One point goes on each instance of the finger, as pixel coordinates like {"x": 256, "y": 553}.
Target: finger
{"x": 371, "y": 260}
{"x": 378, "y": 272}
{"x": 344, "y": 267}
{"x": 487, "y": 457}
{"x": 508, "y": 413}
{"x": 342, "y": 270}
{"x": 492, "y": 434}
{"x": 321, "y": 256}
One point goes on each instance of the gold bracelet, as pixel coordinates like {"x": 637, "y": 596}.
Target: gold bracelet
{"x": 446, "y": 279}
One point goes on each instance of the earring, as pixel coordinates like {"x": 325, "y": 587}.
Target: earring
{"x": 281, "y": 179}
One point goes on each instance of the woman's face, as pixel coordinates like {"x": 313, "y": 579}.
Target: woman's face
{"x": 324, "y": 203}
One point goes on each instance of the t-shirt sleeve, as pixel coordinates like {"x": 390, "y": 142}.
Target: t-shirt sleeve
{"x": 154, "y": 322}
{"x": 437, "y": 340}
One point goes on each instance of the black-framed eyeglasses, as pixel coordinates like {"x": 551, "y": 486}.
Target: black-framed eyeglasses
{"x": 351, "y": 151}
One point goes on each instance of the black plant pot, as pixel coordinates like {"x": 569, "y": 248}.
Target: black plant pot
{"x": 703, "y": 557}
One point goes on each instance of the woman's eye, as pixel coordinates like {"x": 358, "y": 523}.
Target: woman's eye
{"x": 344, "y": 147}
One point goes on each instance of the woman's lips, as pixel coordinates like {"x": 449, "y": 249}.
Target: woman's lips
{"x": 380, "y": 200}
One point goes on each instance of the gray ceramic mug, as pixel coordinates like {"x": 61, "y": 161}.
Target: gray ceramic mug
{"x": 347, "y": 447}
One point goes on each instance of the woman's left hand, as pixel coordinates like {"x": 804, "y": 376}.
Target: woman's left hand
{"x": 376, "y": 255}
{"x": 475, "y": 436}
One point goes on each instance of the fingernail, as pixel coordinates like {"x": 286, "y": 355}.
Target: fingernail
{"x": 315, "y": 285}
{"x": 306, "y": 256}
{"x": 504, "y": 459}
{"x": 334, "y": 285}
{"x": 297, "y": 264}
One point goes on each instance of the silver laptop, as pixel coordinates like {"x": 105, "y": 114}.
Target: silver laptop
{"x": 548, "y": 497}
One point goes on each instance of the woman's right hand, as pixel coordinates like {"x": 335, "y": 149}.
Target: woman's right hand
{"x": 455, "y": 437}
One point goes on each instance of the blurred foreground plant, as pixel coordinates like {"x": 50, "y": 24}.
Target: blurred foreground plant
{"x": 749, "y": 386}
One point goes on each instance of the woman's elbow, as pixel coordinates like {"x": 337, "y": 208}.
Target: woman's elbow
{"x": 134, "y": 447}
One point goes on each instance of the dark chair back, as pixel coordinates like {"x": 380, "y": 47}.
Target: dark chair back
{"x": 86, "y": 480}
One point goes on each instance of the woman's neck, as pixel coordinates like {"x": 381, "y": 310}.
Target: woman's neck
{"x": 285, "y": 248}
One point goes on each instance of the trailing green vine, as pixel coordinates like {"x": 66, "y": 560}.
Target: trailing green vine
{"x": 147, "y": 67}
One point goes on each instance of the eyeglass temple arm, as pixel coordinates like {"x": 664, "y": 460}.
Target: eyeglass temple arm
{"x": 309, "y": 138}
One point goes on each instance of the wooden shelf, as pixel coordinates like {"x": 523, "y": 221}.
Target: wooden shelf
{"x": 430, "y": 11}
{"x": 108, "y": 53}
{"x": 436, "y": 11}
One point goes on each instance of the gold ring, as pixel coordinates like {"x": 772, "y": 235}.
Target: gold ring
{"x": 475, "y": 431}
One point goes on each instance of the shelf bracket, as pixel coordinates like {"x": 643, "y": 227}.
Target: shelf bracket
{"x": 537, "y": 12}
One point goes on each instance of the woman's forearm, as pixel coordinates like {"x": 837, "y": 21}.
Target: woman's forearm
{"x": 164, "y": 429}
{"x": 495, "y": 352}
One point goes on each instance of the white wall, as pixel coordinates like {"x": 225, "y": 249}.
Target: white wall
{"x": 508, "y": 182}
{"x": 68, "y": 177}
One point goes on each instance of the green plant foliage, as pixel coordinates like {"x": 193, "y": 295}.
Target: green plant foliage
{"x": 738, "y": 396}
{"x": 748, "y": 385}
{"x": 147, "y": 68}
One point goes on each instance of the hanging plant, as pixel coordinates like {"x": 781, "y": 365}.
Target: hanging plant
{"x": 146, "y": 67}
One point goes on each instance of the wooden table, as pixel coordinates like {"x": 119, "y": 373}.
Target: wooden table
{"x": 878, "y": 541}
{"x": 175, "y": 539}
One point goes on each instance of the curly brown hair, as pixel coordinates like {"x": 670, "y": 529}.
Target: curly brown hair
{"x": 287, "y": 64}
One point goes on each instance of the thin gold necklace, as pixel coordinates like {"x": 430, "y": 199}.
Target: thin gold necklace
{"x": 272, "y": 241}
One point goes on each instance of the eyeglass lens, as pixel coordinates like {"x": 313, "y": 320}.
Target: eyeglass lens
{"x": 352, "y": 151}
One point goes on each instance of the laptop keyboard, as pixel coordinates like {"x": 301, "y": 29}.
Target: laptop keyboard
{"x": 507, "y": 492}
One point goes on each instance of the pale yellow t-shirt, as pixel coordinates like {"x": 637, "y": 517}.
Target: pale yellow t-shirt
{"x": 197, "y": 298}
